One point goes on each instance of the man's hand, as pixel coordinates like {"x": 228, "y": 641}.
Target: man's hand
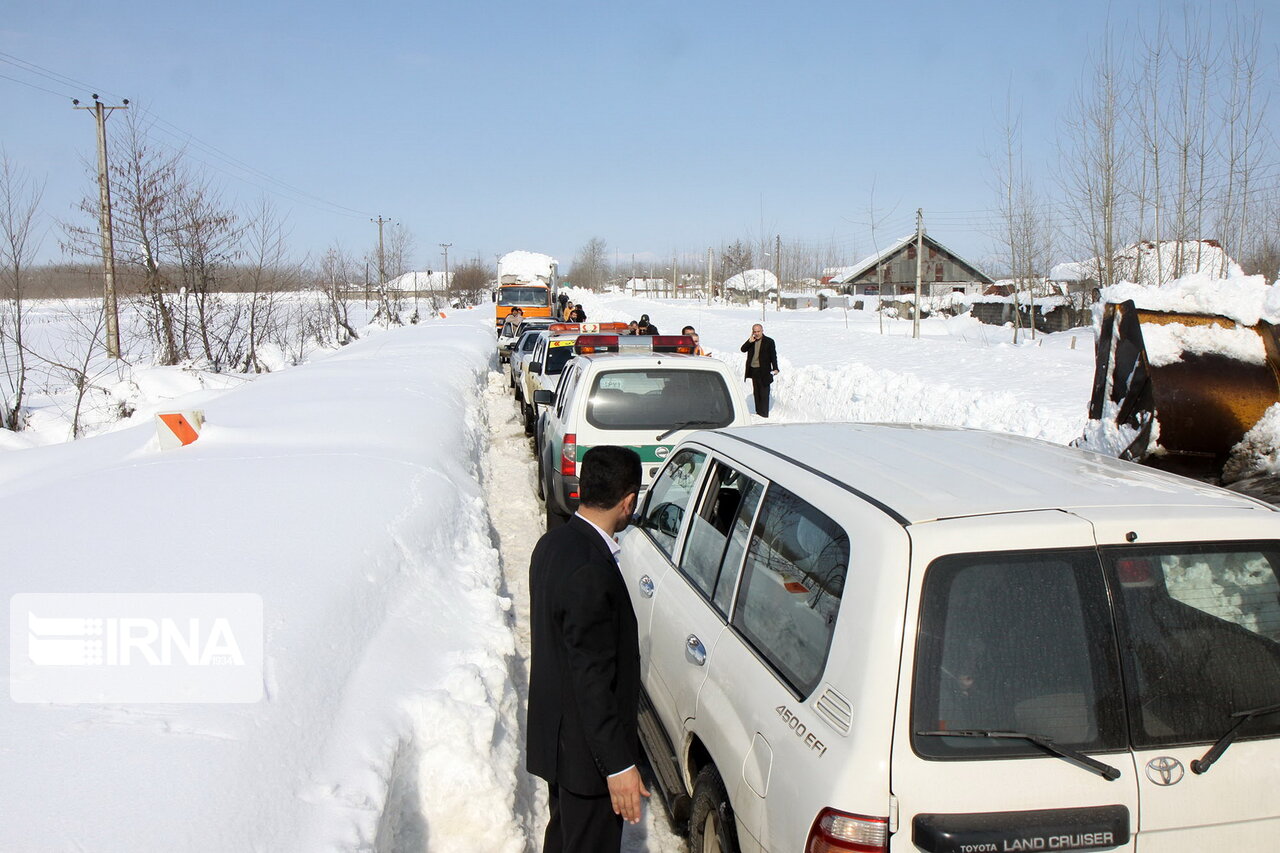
{"x": 625, "y": 791}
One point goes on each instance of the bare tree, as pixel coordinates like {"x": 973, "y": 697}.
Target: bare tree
{"x": 264, "y": 247}
{"x": 1243, "y": 109}
{"x": 470, "y": 282}
{"x": 205, "y": 234}
{"x": 736, "y": 258}
{"x": 20, "y": 199}
{"x": 335, "y": 282}
{"x": 144, "y": 205}
{"x": 591, "y": 265}
{"x": 1094, "y": 161}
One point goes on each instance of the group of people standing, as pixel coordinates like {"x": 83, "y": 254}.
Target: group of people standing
{"x": 569, "y": 312}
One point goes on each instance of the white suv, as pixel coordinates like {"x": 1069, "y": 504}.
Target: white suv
{"x": 893, "y": 638}
{"x": 644, "y": 392}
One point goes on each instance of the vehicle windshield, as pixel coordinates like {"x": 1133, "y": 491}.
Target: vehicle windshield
{"x": 658, "y": 398}
{"x": 558, "y": 355}
{"x": 1200, "y": 637}
{"x": 524, "y": 296}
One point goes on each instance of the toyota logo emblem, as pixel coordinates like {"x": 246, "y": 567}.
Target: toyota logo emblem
{"x": 1165, "y": 770}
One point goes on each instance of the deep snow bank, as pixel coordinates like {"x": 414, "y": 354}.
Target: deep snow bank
{"x": 346, "y": 494}
{"x": 849, "y": 366}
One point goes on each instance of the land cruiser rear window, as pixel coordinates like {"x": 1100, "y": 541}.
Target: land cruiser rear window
{"x": 1200, "y": 638}
{"x": 659, "y": 398}
{"x": 1016, "y": 642}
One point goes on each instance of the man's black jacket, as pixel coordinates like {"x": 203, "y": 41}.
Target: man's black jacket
{"x": 768, "y": 358}
{"x": 584, "y": 687}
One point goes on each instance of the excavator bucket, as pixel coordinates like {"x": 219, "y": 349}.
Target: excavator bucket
{"x": 1182, "y": 389}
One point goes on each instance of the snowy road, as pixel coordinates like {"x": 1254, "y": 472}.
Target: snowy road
{"x": 518, "y": 520}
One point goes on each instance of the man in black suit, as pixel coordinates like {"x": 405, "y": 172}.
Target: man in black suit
{"x": 584, "y": 685}
{"x": 762, "y": 366}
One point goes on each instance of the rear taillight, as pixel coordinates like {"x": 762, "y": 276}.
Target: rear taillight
{"x": 838, "y": 832}
{"x": 569, "y": 456}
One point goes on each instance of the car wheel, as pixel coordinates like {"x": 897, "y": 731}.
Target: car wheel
{"x": 528, "y": 420}
{"x": 542, "y": 489}
{"x": 712, "y": 828}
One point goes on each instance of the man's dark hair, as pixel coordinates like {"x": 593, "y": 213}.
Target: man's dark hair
{"x": 607, "y": 475}
{"x": 688, "y": 330}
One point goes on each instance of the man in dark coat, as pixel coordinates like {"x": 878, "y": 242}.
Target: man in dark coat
{"x": 645, "y": 327}
{"x": 584, "y": 684}
{"x": 762, "y": 366}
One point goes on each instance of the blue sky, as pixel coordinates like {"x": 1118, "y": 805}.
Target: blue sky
{"x": 661, "y": 127}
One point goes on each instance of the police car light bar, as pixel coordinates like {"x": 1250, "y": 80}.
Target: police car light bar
{"x": 596, "y": 343}
{"x": 586, "y": 328}
{"x": 672, "y": 343}
{"x": 615, "y": 343}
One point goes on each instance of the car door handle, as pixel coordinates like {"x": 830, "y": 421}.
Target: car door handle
{"x": 694, "y": 651}
{"x": 646, "y": 586}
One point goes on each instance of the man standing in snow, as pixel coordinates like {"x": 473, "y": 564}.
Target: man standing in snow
{"x": 584, "y": 683}
{"x": 762, "y": 366}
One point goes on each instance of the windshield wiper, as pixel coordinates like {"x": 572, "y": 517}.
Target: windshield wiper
{"x": 686, "y": 425}
{"x": 1093, "y": 765}
{"x": 1200, "y": 765}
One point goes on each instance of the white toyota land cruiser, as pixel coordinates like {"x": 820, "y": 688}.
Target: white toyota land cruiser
{"x": 897, "y": 638}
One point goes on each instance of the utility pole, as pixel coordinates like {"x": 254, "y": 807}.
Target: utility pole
{"x": 709, "y": 288}
{"x": 915, "y": 313}
{"x": 446, "y": 246}
{"x": 777, "y": 269}
{"x": 382, "y": 269}
{"x": 100, "y": 112}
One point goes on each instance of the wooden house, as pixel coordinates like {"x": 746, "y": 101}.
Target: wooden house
{"x": 943, "y": 271}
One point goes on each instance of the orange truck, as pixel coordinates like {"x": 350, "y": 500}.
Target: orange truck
{"x": 525, "y": 281}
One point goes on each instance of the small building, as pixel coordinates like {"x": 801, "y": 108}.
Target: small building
{"x": 943, "y": 271}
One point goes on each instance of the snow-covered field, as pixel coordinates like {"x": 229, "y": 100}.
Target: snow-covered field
{"x": 380, "y": 500}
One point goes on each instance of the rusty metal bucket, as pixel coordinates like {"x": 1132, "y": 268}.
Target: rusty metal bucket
{"x": 1187, "y": 414}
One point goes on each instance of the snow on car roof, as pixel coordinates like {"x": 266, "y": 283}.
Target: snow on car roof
{"x": 923, "y": 473}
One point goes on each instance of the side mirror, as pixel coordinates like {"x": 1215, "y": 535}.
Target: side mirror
{"x": 543, "y": 397}
{"x": 535, "y": 367}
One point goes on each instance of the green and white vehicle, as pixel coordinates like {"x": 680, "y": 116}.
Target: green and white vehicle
{"x": 642, "y": 392}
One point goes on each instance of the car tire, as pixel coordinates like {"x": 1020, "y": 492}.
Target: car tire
{"x": 712, "y": 827}
{"x": 528, "y": 420}
{"x": 542, "y": 489}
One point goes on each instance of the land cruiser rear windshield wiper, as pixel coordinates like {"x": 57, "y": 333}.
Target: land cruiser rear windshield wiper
{"x": 686, "y": 425}
{"x": 1200, "y": 765}
{"x": 1093, "y": 765}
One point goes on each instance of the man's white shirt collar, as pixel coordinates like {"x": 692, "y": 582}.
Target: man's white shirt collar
{"x": 614, "y": 547}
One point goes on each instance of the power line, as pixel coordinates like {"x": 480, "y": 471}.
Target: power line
{"x": 34, "y": 86}
{"x": 278, "y": 187}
